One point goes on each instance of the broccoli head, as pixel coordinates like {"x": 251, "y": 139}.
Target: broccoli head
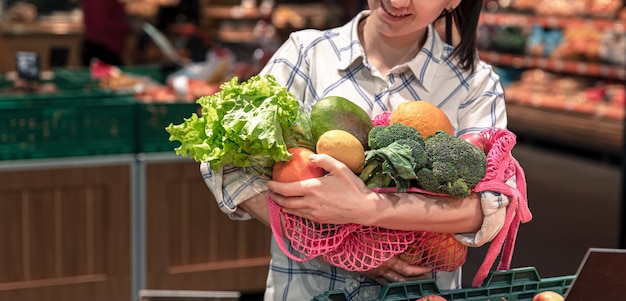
{"x": 454, "y": 165}
{"x": 381, "y": 136}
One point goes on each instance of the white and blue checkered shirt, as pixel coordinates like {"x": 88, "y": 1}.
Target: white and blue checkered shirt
{"x": 313, "y": 64}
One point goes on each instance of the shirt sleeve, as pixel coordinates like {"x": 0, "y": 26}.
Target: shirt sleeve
{"x": 290, "y": 66}
{"x": 484, "y": 106}
{"x": 232, "y": 186}
{"x": 494, "y": 206}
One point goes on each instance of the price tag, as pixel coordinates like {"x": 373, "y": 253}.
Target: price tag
{"x": 27, "y": 64}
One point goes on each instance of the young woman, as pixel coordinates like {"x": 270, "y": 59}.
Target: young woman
{"x": 385, "y": 56}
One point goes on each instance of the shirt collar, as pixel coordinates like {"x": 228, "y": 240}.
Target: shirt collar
{"x": 424, "y": 65}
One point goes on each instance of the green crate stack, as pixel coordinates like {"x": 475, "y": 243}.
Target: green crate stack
{"x": 77, "y": 77}
{"x": 4, "y": 82}
{"x": 152, "y": 118}
{"x": 81, "y": 76}
{"x": 519, "y": 284}
{"x": 60, "y": 127}
{"x": 152, "y": 71}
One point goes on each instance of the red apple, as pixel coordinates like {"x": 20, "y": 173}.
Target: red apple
{"x": 548, "y": 296}
{"x": 478, "y": 140}
{"x": 432, "y": 298}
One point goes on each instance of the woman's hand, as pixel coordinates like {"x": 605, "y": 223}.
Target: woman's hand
{"x": 397, "y": 270}
{"x": 340, "y": 197}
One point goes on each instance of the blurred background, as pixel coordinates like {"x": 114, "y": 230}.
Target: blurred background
{"x": 94, "y": 205}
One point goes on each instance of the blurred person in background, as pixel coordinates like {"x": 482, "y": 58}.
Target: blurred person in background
{"x": 106, "y": 29}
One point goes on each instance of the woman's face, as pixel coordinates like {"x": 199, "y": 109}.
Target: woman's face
{"x": 396, "y": 18}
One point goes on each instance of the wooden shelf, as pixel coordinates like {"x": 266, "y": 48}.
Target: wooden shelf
{"x": 567, "y": 127}
{"x": 237, "y": 36}
{"x": 522, "y": 20}
{"x": 555, "y": 65}
{"x": 228, "y": 12}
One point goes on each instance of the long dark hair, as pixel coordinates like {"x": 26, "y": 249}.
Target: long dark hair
{"x": 465, "y": 18}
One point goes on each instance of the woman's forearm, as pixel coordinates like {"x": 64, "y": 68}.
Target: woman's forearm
{"x": 257, "y": 207}
{"x": 413, "y": 211}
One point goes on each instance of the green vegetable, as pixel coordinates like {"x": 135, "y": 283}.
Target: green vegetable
{"x": 454, "y": 165}
{"x": 392, "y": 165}
{"x": 418, "y": 152}
{"x": 381, "y": 136}
{"x": 396, "y": 154}
{"x": 243, "y": 124}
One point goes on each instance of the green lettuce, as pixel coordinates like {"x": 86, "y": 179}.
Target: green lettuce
{"x": 242, "y": 124}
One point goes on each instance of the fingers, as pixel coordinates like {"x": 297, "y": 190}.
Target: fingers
{"x": 397, "y": 270}
{"x": 288, "y": 203}
{"x": 407, "y": 270}
{"x": 294, "y": 188}
{"x": 328, "y": 163}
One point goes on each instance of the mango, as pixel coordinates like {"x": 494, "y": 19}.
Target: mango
{"x": 339, "y": 113}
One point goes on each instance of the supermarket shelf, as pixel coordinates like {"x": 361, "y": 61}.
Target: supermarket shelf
{"x": 522, "y": 20}
{"x": 567, "y": 127}
{"x": 237, "y": 36}
{"x": 230, "y": 12}
{"x": 555, "y": 65}
{"x": 42, "y": 27}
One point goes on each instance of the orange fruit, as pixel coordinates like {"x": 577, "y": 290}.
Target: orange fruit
{"x": 444, "y": 251}
{"x": 425, "y": 117}
{"x": 297, "y": 168}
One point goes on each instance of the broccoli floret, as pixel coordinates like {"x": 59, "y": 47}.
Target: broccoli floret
{"x": 381, "y": 136}
{"x": 417, "y": 151}
{"x": 427, "y": 180}
{"x": 455, "y": 166}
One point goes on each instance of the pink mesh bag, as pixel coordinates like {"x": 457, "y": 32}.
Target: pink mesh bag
{"x": 360, "y": 248}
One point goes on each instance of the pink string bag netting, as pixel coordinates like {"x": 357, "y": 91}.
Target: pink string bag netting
{"x": 361, "y": 248}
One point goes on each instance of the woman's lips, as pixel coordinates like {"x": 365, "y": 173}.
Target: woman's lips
{"x": 390, "y": 13}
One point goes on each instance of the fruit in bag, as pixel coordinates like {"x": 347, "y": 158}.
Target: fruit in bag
{"x": 297, "y": 168}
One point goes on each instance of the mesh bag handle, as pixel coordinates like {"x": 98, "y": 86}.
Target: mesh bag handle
{"x": 501, "y": 166}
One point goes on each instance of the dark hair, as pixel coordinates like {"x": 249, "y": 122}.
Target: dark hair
{"x": 465, "y": 17}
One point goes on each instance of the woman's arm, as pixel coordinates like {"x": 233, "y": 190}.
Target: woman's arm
{"x": 257, "y": 207}
{"x": 341, "y": 197}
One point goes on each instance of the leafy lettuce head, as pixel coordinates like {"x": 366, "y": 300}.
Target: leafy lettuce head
{"x": 242, "y": 124}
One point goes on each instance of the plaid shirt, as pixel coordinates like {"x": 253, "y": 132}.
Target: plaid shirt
{"x": 313, "y": 64}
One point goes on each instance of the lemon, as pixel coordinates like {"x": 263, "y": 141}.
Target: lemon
{"x": 344, "y": 147}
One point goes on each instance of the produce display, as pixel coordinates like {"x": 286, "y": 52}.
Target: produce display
{"x": 548, "y": 90}
{"x": 562, "y": 66}
{"x": 259, "y": 126}
{"x": 21, "y": 87}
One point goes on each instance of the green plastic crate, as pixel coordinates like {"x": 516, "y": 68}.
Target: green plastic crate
{"x": 78, "y": 77}
{"x": 81, "y": 76}
{"x": 63, "y": 95}
{"x": 152, "y": 118}
{"x": 519, "y": 284}
{"x": 45, "y": 128}
{"x": 152, "y": 71}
